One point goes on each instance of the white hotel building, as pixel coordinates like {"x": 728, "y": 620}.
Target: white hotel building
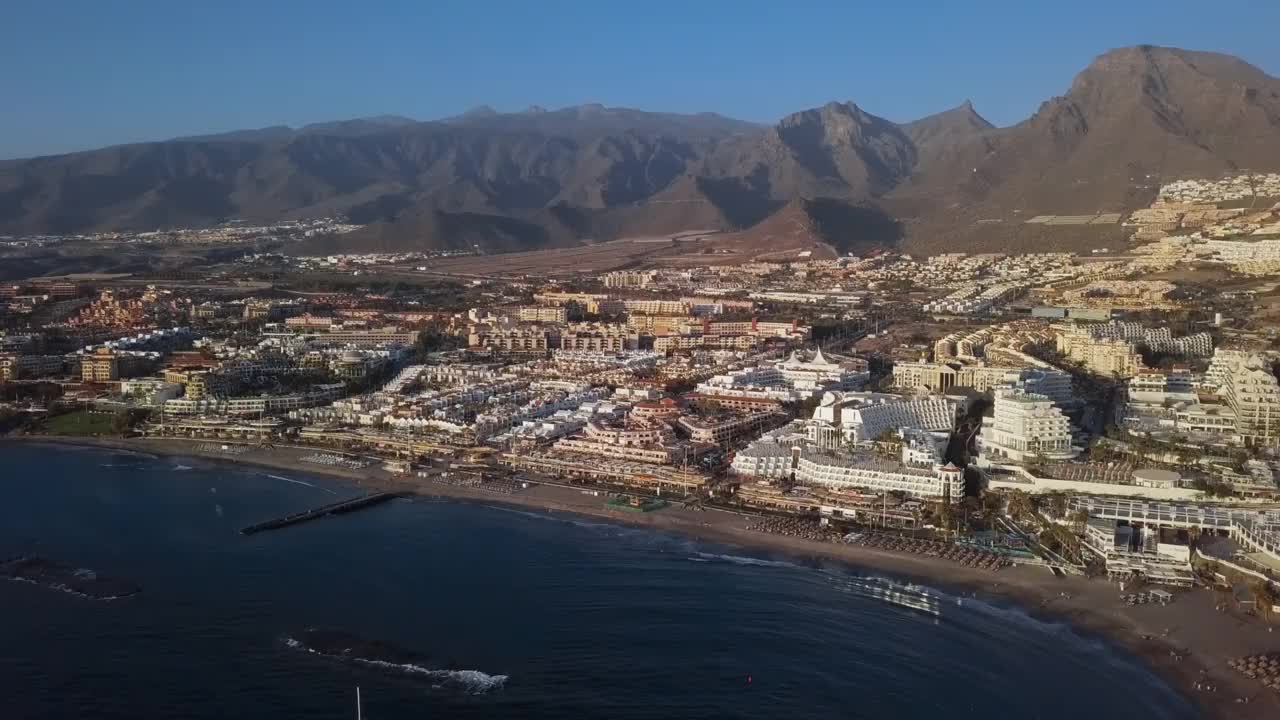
{"x": 863, "y": 417}
{"x": 806, "y": 376}
{"x": 1024, "y": 425}
{"x": 776, "y": 460}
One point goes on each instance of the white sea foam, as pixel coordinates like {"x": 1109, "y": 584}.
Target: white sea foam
{"x": 567, "y": 518}
{"x": 301, "y": 482}
{"x": 134, "y": 453}
{"x": 742, "y": 560}
{"x": 473, "y": 682}
{"x": 70, "y": 591}
{"x": 513, "y": 511}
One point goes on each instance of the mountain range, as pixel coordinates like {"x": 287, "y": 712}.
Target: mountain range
{"x": 836, "y": 175}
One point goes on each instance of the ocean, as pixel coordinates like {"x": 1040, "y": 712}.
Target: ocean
{"x": 486, "y": 611}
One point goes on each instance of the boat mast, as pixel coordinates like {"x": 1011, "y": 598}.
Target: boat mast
{"x": 359, "y": 713}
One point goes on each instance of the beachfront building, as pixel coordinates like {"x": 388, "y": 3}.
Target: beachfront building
{"x": 1250, "y": 389}
{"x": 726, "y": 429}
{"x": 257, "y": 405}
{"x": 646, "y": 441}
{"x": 866, "y": 473}
{"x": 766, "y": 459}
{"x": 803, "y": 464}
{"x": 1025, "y": 426}
{"x": 862, "y": 417}
{"x": 1157, "y": 555}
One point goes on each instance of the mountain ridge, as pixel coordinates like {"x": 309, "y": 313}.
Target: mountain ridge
{"x": 844, "y": 176}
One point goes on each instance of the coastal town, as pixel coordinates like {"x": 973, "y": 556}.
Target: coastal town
{"x": 1110, "y": 417}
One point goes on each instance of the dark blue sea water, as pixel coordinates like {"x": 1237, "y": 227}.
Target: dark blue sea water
{"x": 585, "y": 619}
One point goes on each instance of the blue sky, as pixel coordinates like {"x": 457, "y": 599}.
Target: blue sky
{"x": 85, "y": 73}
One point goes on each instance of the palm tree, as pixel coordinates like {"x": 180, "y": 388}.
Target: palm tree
{"x": 1020, "y": 504}
{"x": 1058, "y": 504}
{"x": 1079, "y": 519}
{"x": 1265, "y": 598}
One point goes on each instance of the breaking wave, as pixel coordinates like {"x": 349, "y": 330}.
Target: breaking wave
{"x": 567, "y": 517}
{"x": 472, "y": 682}
{"x": 742, "y": 560}
{"x": 134, "y": 453}
{"x": 54, "y": 575}
{"x": 301, "y": 482}
{"x": 341, "y": 646}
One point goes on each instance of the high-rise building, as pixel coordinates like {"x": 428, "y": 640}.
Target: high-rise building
{"x": 101, "y": 366}
{"x": 1251, "y": 389}
{"x": 1025, "y": 426}
{"x": 16, "y": 367}
{"x": 543, "y": 313}
{"x": 1108, "y": 356}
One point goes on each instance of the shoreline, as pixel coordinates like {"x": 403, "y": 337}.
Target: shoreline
{"x": 1189, "y": 626}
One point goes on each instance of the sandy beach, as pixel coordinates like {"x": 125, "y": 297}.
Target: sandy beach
{"x": 1188, "y": 642}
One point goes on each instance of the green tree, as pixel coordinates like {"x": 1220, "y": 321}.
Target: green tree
{"x": 1265, "y": 598}
{"x": 1020, "y": 505}
{"x": 1058, "y": 504}
{"x": 1079, "y": 519}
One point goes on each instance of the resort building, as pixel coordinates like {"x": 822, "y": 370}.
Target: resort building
{"x": 843, "y": 471}
{"x": 842, "y": 418}
{"x": 1157, "y": 555}
{"x": 101, "y": 366}
{"x": 808, "y": 377}
{"x": 20, "y": 367}
{"x": 646, "y": 441}
{"x": 1025, "y": 426}
{"x": 1110, "y": 356}
{"x": 1253, "y": 394}
{"x": 599, "y": 337}
{"x": 533, "y": 339}
{"x": 724, "y": 430}
{"x": 629, "y": 278}
{"x": 656, "y": 307}
{"x": 942, "y": 377}
{"x": 543, "y": 313}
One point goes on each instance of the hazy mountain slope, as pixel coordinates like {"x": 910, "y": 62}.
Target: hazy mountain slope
{"x": 1134, "y": 117}
{"x": 835, "y": 175}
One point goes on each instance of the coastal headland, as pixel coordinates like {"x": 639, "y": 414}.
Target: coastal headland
{"x": 1189, "y": 642}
